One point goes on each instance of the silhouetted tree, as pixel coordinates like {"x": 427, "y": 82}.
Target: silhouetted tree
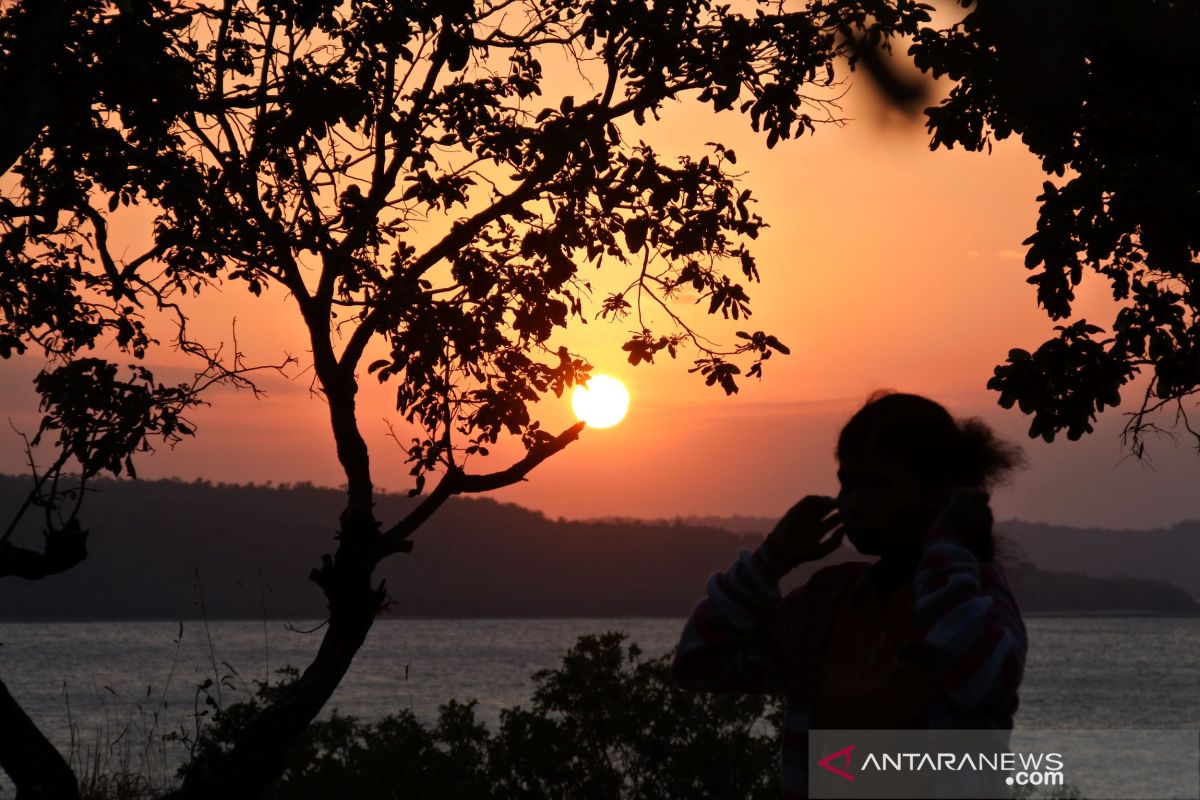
{"x": 393, "y": 168}
{"x": 1105, "y": 95}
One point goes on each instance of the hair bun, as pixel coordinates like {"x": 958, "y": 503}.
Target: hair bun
{"x": 985, "y": 459}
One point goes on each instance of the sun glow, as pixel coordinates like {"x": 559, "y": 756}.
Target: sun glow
{"x": 602, "y": 403}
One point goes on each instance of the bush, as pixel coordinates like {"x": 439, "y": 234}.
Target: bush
{"x": 605, "y": 725}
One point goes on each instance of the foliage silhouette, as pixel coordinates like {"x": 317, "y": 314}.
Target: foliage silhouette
{"x": 392, "y": 169}
{"x": 606, "y": 724}
{"x": 1103, "y": 95}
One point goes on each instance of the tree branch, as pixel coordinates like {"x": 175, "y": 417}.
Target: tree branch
{"x": 455, "y": 481}
{"x": 574, "y": 129}
{"x": 474, "y": 484}
{"x": 64, "y": 549}
{"x": 383, "y": 180}
{"x": 116, "y": 277}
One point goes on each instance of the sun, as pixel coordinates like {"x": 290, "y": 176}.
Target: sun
{"x": 602, "y": 403}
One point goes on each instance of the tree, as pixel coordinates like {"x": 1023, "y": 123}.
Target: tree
{"x": 1103, "y": 94}
{"x": 391, "y": 168}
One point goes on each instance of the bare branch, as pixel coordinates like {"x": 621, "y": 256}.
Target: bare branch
{"x": 454, "y": 482}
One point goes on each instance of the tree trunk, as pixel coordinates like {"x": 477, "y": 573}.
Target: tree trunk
{"x": 36, "y": 768}
{"x": 259, "y": 754}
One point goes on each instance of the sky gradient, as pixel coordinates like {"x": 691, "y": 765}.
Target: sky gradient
{"x": 885, "y": 265}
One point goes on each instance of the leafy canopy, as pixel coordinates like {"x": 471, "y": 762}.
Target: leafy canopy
{"x": 1105, "y": 95}
{"x": 398, "y": 170}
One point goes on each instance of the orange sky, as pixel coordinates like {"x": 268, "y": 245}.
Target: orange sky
{"x": 886, "y": 266}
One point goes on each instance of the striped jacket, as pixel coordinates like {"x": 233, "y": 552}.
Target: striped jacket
{"x": 744, "y": 637}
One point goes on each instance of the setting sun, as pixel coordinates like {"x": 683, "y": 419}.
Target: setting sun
{"x": 602, "y": 403}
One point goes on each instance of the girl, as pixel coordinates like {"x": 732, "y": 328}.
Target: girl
{"x": 927, "y": 636}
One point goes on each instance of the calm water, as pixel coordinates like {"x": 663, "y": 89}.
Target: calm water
{"x": 106, "y": 677}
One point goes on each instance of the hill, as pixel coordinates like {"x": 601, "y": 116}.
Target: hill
{"x": 1160, "y": 554}
{"x": 172, "y": 550}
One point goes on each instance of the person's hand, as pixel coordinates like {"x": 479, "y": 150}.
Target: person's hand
{"x": 799, "y": 535}
{"x": 965, "y": 511}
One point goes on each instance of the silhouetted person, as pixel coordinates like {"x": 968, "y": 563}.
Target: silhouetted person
{"x": 926, "y": 637}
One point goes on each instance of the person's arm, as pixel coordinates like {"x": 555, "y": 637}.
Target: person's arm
{"x": 966, "y": 613}
{"x": 733, "y": 640}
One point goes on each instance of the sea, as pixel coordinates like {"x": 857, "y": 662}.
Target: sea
{"x": 101, "y": 690}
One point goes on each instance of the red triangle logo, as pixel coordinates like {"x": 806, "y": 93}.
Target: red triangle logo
{"x": 843, "y": 754}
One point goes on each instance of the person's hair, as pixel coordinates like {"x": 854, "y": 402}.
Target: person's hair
{"x": 921, "y": 435}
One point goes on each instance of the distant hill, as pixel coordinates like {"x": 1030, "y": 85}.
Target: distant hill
{"x": 1067, "y": 592}
{"x": 1164, "y": 554}
{"x": 253, "y": 546}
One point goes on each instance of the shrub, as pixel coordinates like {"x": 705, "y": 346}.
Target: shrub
{"x": 606, "y": 724}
